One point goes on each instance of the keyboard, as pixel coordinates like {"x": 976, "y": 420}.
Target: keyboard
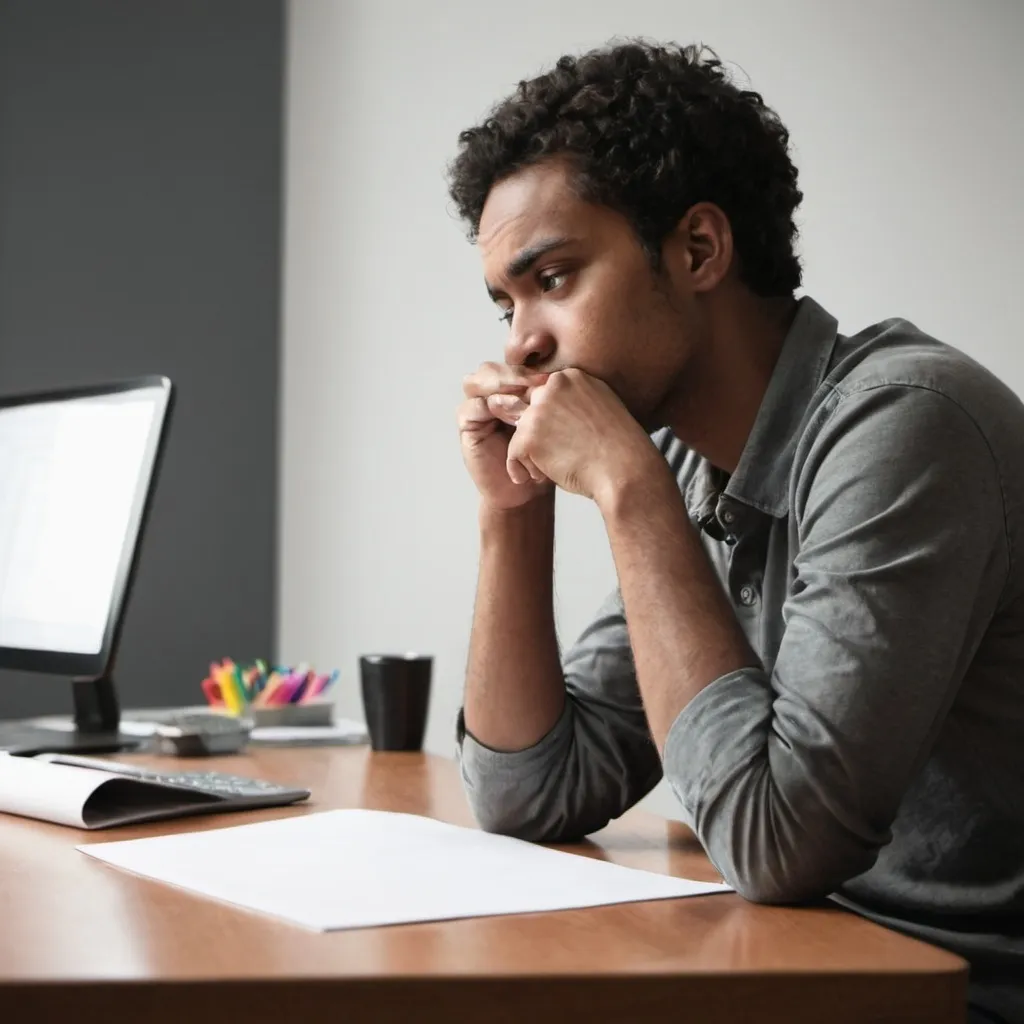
{"x": 214, "y": 783}
{"x": 236, "y": 790}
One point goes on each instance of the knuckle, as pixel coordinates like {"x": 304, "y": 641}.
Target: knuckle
{"x": 487, "y": 378}
{"x": 469, "y": 412}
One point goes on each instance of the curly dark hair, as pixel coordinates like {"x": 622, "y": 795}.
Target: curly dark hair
{"x": 649, "y": 130}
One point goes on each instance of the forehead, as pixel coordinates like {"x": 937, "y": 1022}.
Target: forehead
{"x": 536, "y": 201}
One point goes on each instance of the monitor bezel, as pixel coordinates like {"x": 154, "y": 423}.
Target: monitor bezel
{"x": 97, "y": 666}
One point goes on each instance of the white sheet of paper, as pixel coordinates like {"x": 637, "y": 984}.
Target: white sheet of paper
{"x": 360, "y": 868}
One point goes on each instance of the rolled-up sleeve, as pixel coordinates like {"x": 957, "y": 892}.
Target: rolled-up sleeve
{"x": 792, "y": 779}
{"x": 596, "y": 761}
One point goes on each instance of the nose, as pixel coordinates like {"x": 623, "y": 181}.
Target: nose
{"x": 529, "y": 346}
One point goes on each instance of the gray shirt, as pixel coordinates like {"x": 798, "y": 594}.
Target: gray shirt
{"x": 871, "y": 542}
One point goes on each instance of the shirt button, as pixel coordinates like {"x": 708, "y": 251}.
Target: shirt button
{"x": 728, "y": 517}
{"x": 748, "y": 595}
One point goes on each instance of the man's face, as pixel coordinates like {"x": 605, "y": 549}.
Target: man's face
{"x": 580, "y": 292}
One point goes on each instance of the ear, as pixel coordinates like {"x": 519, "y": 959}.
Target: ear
{"x": 700, "y": 247}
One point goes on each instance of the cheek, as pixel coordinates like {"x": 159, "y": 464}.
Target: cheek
{"x": 621, "y": 338}
{"x": 585, "y": 338}
{"x": 651, "y": 366}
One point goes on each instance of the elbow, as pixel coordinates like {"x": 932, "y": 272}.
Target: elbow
{"x": 782, "y": 823}
{"x": 771, "y": 854}
{"x": 498, "y": 820}
{"x": 531, "y": 810}
{"x": 571, "y": 784}
{"x": 773, "y": 890}
{"x": 534, "y": 824}
{"x": 525, "y": 808}
{"x": 501, "y": 824}
{"x": 786, "y": 874}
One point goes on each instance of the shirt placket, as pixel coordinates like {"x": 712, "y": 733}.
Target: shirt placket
{"x": 745, "y": 569}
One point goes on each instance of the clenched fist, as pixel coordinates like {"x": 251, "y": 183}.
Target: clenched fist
{"x": 485, "y": 436}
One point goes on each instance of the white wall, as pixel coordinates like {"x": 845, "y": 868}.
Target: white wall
{"x": 906, "y": 120}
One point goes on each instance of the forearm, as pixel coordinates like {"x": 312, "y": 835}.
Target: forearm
{"x": 515, "y": 690}
{"x": 683, "y": 631}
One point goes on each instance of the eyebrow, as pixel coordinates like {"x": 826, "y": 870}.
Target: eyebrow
{"x": 525, "y": 259}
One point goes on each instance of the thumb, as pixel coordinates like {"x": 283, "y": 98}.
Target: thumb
{"x": 507, "y": 408}
{"x": 517, "y": 471}
{"x": 537, "y": 381}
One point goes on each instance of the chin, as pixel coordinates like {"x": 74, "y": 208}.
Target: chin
{"x": 661, "y": 408}
{"x": 651, "y": 424}
{"x": 650, "y": 416}
{"x": 651, "y": 419}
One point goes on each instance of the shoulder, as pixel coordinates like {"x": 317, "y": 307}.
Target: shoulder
{"x": 911, "y": 396}
{"x": 899, "y": 359}
{"x": 903, "y": 420}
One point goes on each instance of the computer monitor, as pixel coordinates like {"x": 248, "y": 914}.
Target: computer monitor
{"x": 77, "y": 473}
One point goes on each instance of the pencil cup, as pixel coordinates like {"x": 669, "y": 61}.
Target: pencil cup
{"x": 396, "y": 693}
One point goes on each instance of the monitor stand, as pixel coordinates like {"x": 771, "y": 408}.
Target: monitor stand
{"x": 93, "y": 731}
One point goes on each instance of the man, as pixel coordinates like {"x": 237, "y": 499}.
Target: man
{"x": 819, "y": 539}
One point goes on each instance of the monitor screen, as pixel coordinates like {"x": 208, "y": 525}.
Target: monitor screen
{"x": 73, "y": 476}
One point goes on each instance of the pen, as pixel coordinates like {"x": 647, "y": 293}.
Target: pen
{"x": 295, "y": 697}
{"x": 259, "y": 680}
{"x": 269, "y": 694}
{"x": 313, "y": 688}
{"x": 239, "y": 681}
{"x": 229, "y": 688}
{"x": 250, "y": 680}
{"x": 212, "y": 690}
{"x": 288, "y": 687}
{"x": 234, "y": 688}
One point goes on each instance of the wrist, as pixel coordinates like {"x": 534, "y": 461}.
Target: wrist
{"x": 517, "y": 548}
{"x": 634, "y": 483}
{"x": 535, "y": 515}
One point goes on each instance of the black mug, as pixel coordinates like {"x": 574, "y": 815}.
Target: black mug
{"x": 396, "y": 692}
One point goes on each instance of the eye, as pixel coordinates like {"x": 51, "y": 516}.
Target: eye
{"x": 506, "y": 316}
{"x": 549, "y": 282}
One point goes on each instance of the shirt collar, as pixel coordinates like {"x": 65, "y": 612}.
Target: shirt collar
{"x": 761, "y": 479}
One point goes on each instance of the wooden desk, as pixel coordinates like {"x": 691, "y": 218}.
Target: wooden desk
{"x": 81, "y": 941}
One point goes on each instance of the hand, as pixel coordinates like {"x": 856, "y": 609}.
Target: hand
{"x": 485, "y": 435}
{"x": 576, "y": 432}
